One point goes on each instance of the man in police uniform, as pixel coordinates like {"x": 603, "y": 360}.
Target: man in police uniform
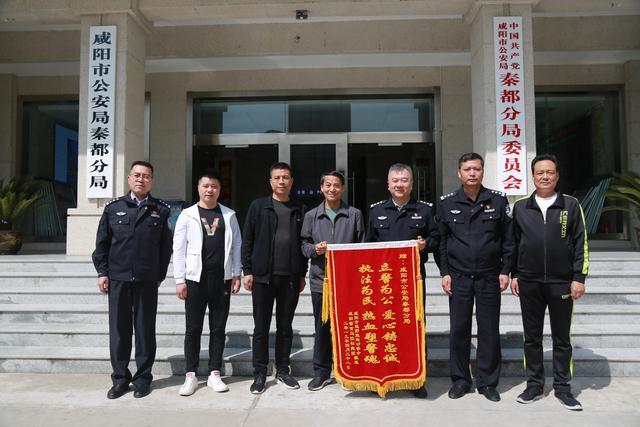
{"x": 476, "y": 253}
{"x": 133, "y": 248}
{"x": 401, "y": 217}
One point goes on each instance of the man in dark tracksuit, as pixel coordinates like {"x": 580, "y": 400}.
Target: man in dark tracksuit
{"x": 552, "y": 264}
{"x": 401, "y": 217}
{"x": 476, "y": 254}
{"x": 333, "y": 221}
{"x": 274, "y": 269}
{"x": 133, "y": 248}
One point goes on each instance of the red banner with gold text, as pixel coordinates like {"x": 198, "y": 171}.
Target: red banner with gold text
{"x": 373, "y": 295}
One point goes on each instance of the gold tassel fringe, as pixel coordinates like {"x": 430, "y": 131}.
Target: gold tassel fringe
{"x": 326, "y": 291}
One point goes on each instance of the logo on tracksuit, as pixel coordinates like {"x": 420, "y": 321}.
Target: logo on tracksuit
{"x": 564, "y": 218}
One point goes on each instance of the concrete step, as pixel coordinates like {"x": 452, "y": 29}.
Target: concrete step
{"x": 49, "y": 278}
{"x": 96, "y": 335}
{"x": 59, "y": 294}
{"x": 603, "y": 362}
{"x": 242, "y": 315}
{"x": 611, "y": 260}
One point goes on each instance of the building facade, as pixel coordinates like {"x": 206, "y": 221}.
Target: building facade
{"x": 336, "y": 84}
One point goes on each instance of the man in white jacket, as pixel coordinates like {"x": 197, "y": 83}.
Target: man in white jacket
{"x": 206, "y": 266}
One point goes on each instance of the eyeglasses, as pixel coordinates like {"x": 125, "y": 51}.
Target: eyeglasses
{"x": 143, "y": 176}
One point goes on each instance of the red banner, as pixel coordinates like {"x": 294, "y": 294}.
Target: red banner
{"x": 373, "y": 294}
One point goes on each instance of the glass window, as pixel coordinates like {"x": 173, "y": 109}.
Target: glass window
{"x": 50, "y": 154}
{"x": 582, "y": 130}
{"x": 312, "y": 115}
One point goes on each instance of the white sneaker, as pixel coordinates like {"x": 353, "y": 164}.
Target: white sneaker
{"x": 216, "y": 383}
{"x": 190, "y": 384}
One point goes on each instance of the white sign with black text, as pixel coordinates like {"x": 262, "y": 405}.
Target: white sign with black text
{"x": 100, "y": 111}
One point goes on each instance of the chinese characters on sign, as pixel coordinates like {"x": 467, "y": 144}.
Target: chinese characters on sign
{"x": 510, "y": 113}
{"x": 100, "y": 111}
{"x": 377, "y": 326}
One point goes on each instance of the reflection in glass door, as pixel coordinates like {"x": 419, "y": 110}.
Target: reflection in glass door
{"x": 309, "y": 161}
{"x": 244, "y": 171}
{"x": 369, "y": 163}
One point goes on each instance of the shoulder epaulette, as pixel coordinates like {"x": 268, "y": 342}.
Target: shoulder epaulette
{"x": 162, "y": 202}
{"x": 377, "y": 203}
{"x": 111, "y": 201}
{"x": 446, "y": 196}
{"x": 499, "y": 193}
{"x": 426, "y": 203}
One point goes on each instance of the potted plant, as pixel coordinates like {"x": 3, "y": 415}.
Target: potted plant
{"x": 16, "y": 197}
{"x": 626, "y": 188}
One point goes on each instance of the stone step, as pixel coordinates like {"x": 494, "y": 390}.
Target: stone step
{"x": 603, "y": 362}
{"x": 96, "y": 335}
{"x": 242, "y": 315}
{"x": 435, "y": 297}
{"x": 48, "y": 278}
{"x": 611, "y": 260}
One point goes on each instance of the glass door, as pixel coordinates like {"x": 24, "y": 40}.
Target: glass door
{"x": 368, "y": 165}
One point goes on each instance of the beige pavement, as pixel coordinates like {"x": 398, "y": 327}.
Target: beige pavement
{"x": 79, "y": 400}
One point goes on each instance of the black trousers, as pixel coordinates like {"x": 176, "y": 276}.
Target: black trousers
{"x": 132, "y": 304}
{"x": 486, "y": 293}
{"x": 322, "y": 346}
{"x": 285, "y": 291}
{"x": 214, "y": 292}
{"x": 535, "y": 297}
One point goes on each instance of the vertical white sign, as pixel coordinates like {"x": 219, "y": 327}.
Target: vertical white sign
{"x": 510, "y": 105}
{"x": 100, "y": 111}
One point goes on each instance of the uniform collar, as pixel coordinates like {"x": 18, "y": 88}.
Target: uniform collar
{"x": 483, "y": 194}
{"x": 136, "y": 201}
{"x": 129, "y": 198}
{"x": 411, "y": 204}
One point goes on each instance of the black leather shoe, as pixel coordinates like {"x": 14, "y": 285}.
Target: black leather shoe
{"x": 142, "y": 391}
{"x": 490, "y": 393}
{"x": 458, "y": 390}
{"x": 420, "y": 393}
{"x": 117, "y": 390}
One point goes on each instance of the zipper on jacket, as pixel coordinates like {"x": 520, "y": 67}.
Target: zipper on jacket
{"x": 544, "y": 244}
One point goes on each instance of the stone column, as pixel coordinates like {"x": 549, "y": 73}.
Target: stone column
{"x": 456, "y": 122}
{"x": 483, "y": 82}
{"x": 8, "y": 154}
{"x": 82, "y": 222}
{"x": 170, "y": 151}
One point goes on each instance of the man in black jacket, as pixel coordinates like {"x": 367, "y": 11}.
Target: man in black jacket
{"x": 552, "y": 264}
{"x": 476, "y": 254}
{"x": 133, "y": 248}
{"x": 274, "y": 269}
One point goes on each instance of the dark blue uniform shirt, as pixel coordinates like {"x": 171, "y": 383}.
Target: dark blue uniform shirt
{"x": 476, "y": 237}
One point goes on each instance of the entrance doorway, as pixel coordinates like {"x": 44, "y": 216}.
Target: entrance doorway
{"x": 364, "y": 159}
